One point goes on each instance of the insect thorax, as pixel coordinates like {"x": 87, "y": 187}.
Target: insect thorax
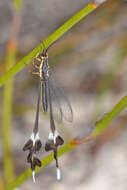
{"x": 44, "y": 67}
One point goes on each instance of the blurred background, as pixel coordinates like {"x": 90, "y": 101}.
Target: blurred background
{"x": 90, "y": 63}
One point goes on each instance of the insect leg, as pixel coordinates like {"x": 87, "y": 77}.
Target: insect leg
{"x": 35, "y": 73}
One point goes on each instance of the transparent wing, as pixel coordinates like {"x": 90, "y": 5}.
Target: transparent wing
{"x": 60, "y": 103}
{"x": 56, "y": 108}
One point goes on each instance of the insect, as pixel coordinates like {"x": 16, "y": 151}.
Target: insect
{"x": 54, "y": 100}
{"x": 61, "y": 108}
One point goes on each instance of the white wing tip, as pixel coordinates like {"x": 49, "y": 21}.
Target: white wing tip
{"x": 58, "y": 174}
{"x": 33, "y": 173}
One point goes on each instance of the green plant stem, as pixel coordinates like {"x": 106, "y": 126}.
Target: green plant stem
{"x": 110, "y": 76}
{"x": 110, "y": 116}
{"x": 100, "y": 126}
{"x": 118, "y": 59}
{"x": 17, "y": 4}
{"x": 1, "y": 184}
{"x": 46, "y": 161}
{"x": 52, "y": 38}
{"x": 8, "y": 94}
{"x": 7, "y": 122}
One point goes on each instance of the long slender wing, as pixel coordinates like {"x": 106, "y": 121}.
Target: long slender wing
{"x": 56, "y": 107}
{"x": 57, "y": 112}
{"x": 60, "y": 103}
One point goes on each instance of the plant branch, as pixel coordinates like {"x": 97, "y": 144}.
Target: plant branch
{"x": 99, "y": 127}
{"x": 52, "y": 38}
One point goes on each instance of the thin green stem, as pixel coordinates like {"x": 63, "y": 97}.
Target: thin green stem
{"x": 52, "y": 38}
{"x": 1, "y": 184}
{"x": 18, "y": 4}
{"x": 100, "y": 126}
{"x": 110, "y": 76}
{"x": 110, "y": 116}
{"x": 7, "y": 122}
{"x": 8, "y": 97}
{"x": 46, "y": 161}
